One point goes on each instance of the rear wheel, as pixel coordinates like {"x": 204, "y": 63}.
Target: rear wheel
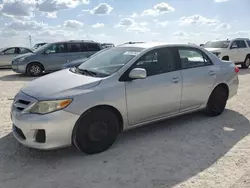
{"x": 246, "y": 63}
{"x": 35, "y": 69}
{"x": 217, "y": 101}
{"x": 96, "y": 131}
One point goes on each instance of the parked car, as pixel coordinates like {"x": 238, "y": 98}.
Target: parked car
{"x": 119, "y": 89}
{"x": 107, "y": 45}
{"x": 38, "y": 45}
{"x": 52, "y": 56}
{"x": 78, "y": 62}
{"x": 7, "y": 54}
{"x": 235, "y": 50}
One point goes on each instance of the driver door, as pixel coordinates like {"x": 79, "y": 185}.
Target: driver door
{"x": 157, "y": 95}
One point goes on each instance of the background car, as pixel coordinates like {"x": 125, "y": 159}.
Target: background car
{"x": 7, "y": 54}
{"x": 107, "y": 45}
{"x": 78, "y": 62}
{"x": 50, "y": 57}
{"x": 38, "y": 45}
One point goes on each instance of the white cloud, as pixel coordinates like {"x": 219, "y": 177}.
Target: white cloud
{"x": 72, "y": 24}
{"x": 102, "y": 9}
{"x": 18, "y": 8}
{"x": 132, "y": 26}
{"x": 134, "y": 15}
{"x": 19, "y": 25}
{"x": 223, "y": 26}
{"x": 220, "y": 1}
{"x": 27, "y": 8}
{"x": 197, "y": 19}
{"x": 158, "y": 9}
{"x": 56, "y": 5}
{"x": 126, "y": 22}
{"x": 180, "y": 34}
{"x": 162, "y": 24}
{"x": 98, "y": 25}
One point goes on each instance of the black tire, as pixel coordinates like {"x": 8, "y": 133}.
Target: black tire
{"x": 246, "y": 63}
{"x": 96, "y": 131}
{"x": 217, "y": 101}
{"x": 34, "y": 69}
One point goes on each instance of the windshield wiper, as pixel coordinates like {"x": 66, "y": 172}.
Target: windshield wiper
{"x": 86, "y": 71}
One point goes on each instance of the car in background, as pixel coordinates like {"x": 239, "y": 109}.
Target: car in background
{"x": 7, "y": 54}
{"x": 50, "y": 57}
{"x": 119, "y": 89}
{"x": 38, "y": 45}
{"x": 236, "y": 50}
{"x": 107, "y": 45}
{"x": 77, "y": 62}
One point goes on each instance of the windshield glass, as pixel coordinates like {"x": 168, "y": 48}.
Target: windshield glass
{"x": 217, "y": 44}
{"x": 41, "y": 48}
{"x": 109, "y": 61}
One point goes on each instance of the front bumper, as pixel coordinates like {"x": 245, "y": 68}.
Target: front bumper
{"x": 57, "y": 128}
{"x": 18, "y": 68}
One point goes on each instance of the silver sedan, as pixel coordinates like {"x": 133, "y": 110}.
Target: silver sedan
{"x": 7, "y": 54}
{"x": 119, "y": 89}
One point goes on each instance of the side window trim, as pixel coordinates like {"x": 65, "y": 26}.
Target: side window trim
{"x": 203, "y": 54}
{"x": 124, "y": 77}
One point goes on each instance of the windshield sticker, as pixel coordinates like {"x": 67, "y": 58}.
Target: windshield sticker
{"x": 131, "y": 53}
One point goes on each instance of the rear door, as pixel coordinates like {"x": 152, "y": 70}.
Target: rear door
{"x": 7, "y": 56}
{"x": 199, "y": 76}
{"x": 54, "y": 56}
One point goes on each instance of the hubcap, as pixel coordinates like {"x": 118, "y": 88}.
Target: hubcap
{"x": 98, "y": 131}
{"x": 247, "y": 62}
{"x": 35, "y": 70}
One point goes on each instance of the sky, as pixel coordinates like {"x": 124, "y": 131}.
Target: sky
{"x": 119, "y": 21}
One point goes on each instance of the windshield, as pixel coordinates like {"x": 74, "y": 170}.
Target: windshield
{"x": 110, "y": 61}
{"x": 217, "y": 44}
{"x": 41, "y": 48}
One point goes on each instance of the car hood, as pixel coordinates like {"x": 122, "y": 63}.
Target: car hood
{"x": 60, "y": 84}
{"x": 214, "y": 49}
{"x": 23, "y": 55}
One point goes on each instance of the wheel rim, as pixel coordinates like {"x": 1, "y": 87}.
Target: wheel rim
{"x": 98, "y": 131}
{"x": 247, "y": 62}
{"x": 35, "y": 70}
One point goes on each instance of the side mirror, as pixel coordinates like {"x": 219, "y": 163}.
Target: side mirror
{"x": 138, "y": 73}
{"x": 234, "y": 46}
{"x": 201, "y": 45}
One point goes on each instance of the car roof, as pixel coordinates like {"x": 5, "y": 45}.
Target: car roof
{"x": 148, "y": 45}
{"x": 75, "y": 41}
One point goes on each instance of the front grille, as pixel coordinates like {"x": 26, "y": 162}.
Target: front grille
{"x": 19, "y": 132}
{"x": 40, "y": 136}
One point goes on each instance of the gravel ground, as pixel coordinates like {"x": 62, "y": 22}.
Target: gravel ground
{"x": 187, "y": 152}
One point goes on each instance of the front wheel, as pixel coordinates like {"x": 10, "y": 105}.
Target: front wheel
{"x": 246, "y": 63}
{"x": 217, "y": 102}
{"x": 96, "y": 131}
{"x": 35, "y": 69}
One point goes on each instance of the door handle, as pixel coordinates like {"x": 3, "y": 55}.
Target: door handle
{"x": 175, "y": 80}
{"x": 211, "y": 73}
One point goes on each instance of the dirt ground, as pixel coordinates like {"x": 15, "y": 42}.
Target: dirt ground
{"x": 187, "y": 152}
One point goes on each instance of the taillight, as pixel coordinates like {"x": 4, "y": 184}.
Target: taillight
{"x": 236, "y": 69}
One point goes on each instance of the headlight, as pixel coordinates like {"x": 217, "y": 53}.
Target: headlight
{"x": 44, "y": 107}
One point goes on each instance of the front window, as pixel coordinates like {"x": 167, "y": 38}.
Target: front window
{"x": 217, "y": 44}
{"x": 110, "y": 61}
{"x": 56, "y": 49}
